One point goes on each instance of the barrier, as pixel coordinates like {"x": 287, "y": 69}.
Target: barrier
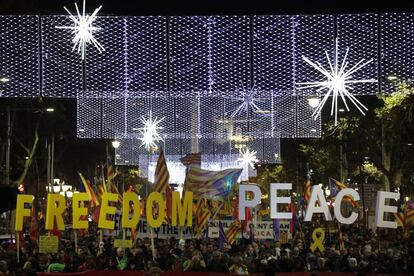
{"x": 193, "y": 273}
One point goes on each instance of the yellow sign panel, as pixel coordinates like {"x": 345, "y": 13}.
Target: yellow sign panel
{"x": 123, "y": 243}
{"x": 48, "y": 244}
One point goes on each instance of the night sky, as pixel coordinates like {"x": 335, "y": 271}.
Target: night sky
{"x": 197, "y": 7}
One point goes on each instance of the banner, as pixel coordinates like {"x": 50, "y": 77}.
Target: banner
{"x": 262, "y": 230}
{"x": 163, "y": 232}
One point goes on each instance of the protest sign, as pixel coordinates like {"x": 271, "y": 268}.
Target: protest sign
{"x": 123, "y": 243}
{"x": 48, "y": 244}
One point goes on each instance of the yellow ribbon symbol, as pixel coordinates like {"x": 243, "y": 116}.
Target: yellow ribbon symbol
{"x": 318, "y": 240}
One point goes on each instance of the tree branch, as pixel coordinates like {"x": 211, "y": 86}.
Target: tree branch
{"x": 28, "y": 162}
{"x": 26, "y": 149}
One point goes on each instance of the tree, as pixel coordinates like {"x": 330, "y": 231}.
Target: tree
{"x": 381, "y": 137}
{"x": 395, "y": 119}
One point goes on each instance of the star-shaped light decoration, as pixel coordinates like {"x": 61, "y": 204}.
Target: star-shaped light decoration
{"x": 149, "y": 132}
{"x": 83, "y": 30}
{"x": 248, "y": 102}
{"x": 338, "y": 83}
{"x": 247, "y": 158}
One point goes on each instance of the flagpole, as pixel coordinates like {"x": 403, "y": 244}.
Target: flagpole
{"x": 18, "y": 246}
{"x": 100, "y": 240}
{"x": 216, "y": 212}
{"x": 181, "y": 232}
{"x": 152, "y": 243}
{"x": 76, "y": 240}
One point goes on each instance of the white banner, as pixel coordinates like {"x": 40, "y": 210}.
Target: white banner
{"x": 163, "y": 232}
{"x": 262, "y": 230}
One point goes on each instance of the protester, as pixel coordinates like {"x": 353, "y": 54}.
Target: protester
{"x": 386, "y": 251}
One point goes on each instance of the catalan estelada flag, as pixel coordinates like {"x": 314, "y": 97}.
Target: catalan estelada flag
{"x": 202, "y": 216}
{"x": 211, "y": 184}
{"x": 191, "y": 159}
{"x": 161, "y": 174}
{"x": 307, "y": 191}
{"x": 233, "y": 231}
{"x": 335, "y": 186}
{"x": 93, "y": 199}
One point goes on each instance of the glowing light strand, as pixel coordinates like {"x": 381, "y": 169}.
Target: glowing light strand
{"x": 248, "y": 102}
{"x": 337, "y": 84}
{"x": 83, "y": 30}
{"x": 149, "y": 133}
{"x": 248, "y": 158}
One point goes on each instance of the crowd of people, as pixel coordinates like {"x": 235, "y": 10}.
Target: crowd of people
{"x": 384, "y": 252}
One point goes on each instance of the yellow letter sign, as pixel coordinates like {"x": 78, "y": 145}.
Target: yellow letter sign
{"x": 128, "y": 222}
{"x": 107, "y": 210}
{"x": 56, "y": 204}
{"x": 22, "y": 212}
{"x": 182, "y": 209}
{"x": 78, "y": 212}
{"x": 155, "y": 197}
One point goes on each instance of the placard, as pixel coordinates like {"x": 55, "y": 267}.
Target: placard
{"x": 122, "y": 243}
{"x": 48, "y": 244}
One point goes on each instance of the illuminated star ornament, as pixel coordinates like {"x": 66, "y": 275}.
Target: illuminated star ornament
{"x": 338, "y": 83}
{"x": 248, "y": 158}
{"x": 83, "y": 30}
{"x": 149, "y": 132}
{"x": 248, "y": 102}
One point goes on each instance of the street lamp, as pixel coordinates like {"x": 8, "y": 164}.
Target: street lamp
{"x": 116, "y": 144}
{"x": 313, "y": 101}
{"x": 50, "y": 109}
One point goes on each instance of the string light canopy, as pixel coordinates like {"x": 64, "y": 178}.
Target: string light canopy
{"x": 83, "y": 30}
{"x": 149, "y": 133}
{"x": 338, "y": 83}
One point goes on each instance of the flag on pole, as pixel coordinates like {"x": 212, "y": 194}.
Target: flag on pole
{"x": 211, "y": 184}
{"x": 294, "y": 222}
{"x": 283, "y": 236}
{"x": 233, "y": 231}
{"x": 307, "y": 191}
{"x": 337, "y": 186}
{"x": 245, "y": 222}
{"x": 251, "y": 235}
{"x": 409, "y": 213}
{"x": 192, "y": 160}
{"x": 114, "y": 189}
{"x": 103, "y": 179}
{"x": 222, "y": 236}
{"x": 168, "y": 200}
{"x": 88, "y": 188}
{"x": 161, "y": 174}
{"x": 34, "y": 225}
{"x": 276, "y": 229}
{"x": 110, "y": 171}
{"x": 203, "y": 214}
{"x": 341, "y": 240}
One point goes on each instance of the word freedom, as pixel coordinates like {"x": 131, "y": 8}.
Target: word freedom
{"x": 182, "y": 212}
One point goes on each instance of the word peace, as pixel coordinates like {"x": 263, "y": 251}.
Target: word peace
{"x": 316, "y": 196}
